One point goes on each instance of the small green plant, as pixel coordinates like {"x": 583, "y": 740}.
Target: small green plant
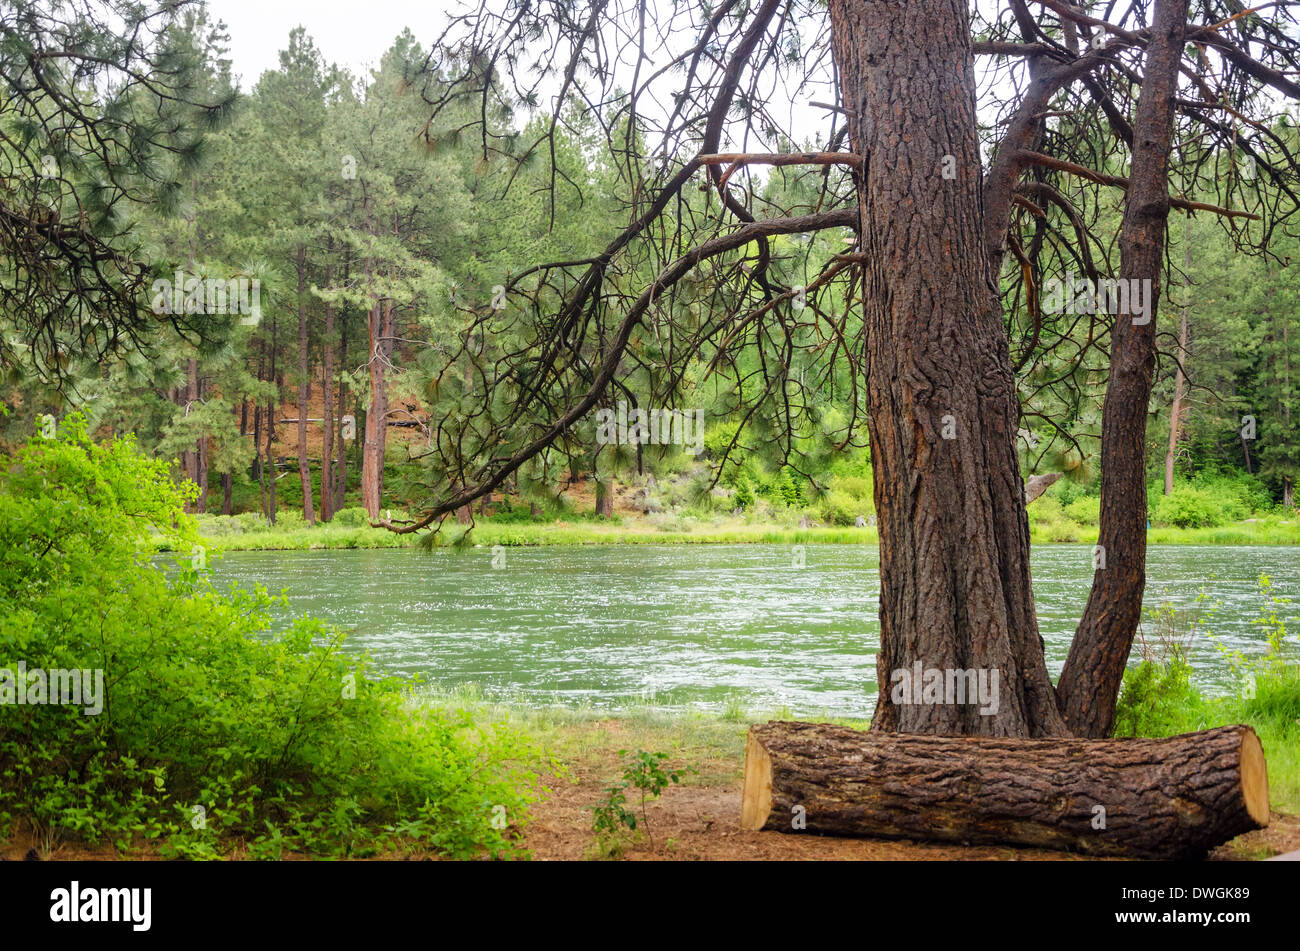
{"x": 648, "y": 774}
{"x": 744, "y": 493}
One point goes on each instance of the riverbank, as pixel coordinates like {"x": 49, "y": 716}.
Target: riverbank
{"x": 252, "y": 533}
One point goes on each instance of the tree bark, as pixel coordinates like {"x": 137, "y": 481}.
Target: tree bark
{"x": 270, "y": 426}
{"x": 1176, "y": 408}
{"x": 1090, "y": 680}
{"x": 376, "y": 436}
{"x": 327, "y": 410}
{"x": 1036, "y": 485}
{"x": 943, "y": 413}
{"x": 304, "y": 392}
{"x": 1171, "y": 798}
{"x": 341, "y": 484}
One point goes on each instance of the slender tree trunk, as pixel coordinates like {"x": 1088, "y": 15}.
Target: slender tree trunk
{"x": 186, "y": 398}
{"x": 258, "y": 465}
{"x": 304, "y": 392}
{"x": 604, "y": 492}
{"x": 1288, "y": 485}
{"x": 327, "y": 412}
{"x": 1176, "y": 410}
{"x": 270, "y": 428}
{"x": 227, "y": 488}
{"x": 954, "y": 537}
{"x": 1090, "y": 680}
{"x": 341, "y": 486}
{"x": 202, "y": 462}
{"x": 372, "y": 463}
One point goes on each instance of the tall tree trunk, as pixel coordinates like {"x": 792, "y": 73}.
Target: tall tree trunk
{"x": 270, "y": 428}
{"x": 1176, "y": 410}
{"x": 1288, "y": 484}
{"x": 190, "y": 461}
{"x": 954, "y": 537}
{"x": 304, "y": 393}
{"x": 341, "y": 486}
{"x": 258, "y": 466}
{"x": 327, "y": 412}
{"x": 1090, "y": 680}
{"x": 372, "y": 462}
{"x": 202, "y": 462}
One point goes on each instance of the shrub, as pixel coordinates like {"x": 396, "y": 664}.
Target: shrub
{"x": 1157, "y": 698}
{"x": 841, "y": 508}
{"x": 215, "y": 728}
{"x": 1188, "y": 507}
{"x": 353, "y": 517}
{"x": 1085, "y": 509}
{"x": 744, "y": 493}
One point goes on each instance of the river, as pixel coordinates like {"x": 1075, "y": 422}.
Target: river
{"x": 702, "y": 626}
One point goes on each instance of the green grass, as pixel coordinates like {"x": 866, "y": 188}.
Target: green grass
{"x": 238, "y": 533}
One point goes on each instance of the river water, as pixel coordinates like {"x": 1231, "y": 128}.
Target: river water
{"x": 703, "y": 626}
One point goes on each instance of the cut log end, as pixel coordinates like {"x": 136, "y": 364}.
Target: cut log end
{"x": 756, "y": 796}
{"x": 1254, "y": 777}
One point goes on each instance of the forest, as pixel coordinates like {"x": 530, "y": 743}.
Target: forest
{"x": 375, "y": 239}
{"x": 771, "y": 404}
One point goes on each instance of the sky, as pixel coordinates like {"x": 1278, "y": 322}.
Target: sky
{"x": 352, "y": 33}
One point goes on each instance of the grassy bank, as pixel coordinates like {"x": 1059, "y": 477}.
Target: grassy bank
{"x": 251, "y": 533}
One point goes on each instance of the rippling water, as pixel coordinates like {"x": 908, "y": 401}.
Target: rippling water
{"x": 697, "y": 625}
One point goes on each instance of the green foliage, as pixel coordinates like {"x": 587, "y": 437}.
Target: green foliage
{"x": 1156, "y": 698}
{"x": 1189, "y": 507}
{"x": 644, "y": 772}
{"x": 790, "y": 488}
{"x": 744, "y": 493}
{"x": 216, "y": 731}
{"x": 1085, "y": 509}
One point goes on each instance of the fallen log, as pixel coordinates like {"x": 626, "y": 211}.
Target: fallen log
{"x": 1145, "y": 798}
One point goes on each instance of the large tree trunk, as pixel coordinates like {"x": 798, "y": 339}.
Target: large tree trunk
{"x": 954, "y": 537}
{"x": 1169, "y": 798}
{"x": 1090, "y": 680}
{"x": 304, "y": 393}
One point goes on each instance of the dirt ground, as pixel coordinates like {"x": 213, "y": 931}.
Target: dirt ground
{"x": 701, "y": 822}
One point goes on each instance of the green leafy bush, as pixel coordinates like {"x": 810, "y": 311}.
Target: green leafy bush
{"x": 352, "y": 517}
{"x": 1156, "y": 698}
{"x": 744, "y": 493}
{"x": 216, "y": 731}
{"x": 1188, "y": 507}
{"x": 1085, "y": 509}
